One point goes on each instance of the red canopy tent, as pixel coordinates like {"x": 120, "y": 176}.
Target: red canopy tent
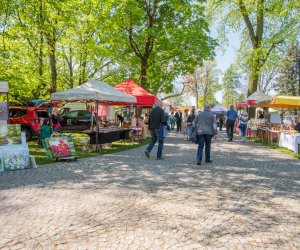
{"x": 143, "y": 97}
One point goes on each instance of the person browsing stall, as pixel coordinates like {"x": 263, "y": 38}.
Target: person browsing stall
{"x": 46, "y": 130}
{"x": 55, "y": 120}
{"x": 156, "y": 119}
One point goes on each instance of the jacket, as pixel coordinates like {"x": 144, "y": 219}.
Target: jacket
{"x": 156, "y": 117}
{"x": 205, "y": 123}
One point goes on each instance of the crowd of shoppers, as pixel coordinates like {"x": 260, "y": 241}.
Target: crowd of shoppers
{"x": 201, "y": 123}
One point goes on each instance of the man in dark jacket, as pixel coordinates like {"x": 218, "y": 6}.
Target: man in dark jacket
{"x": 156, "y": 119}
{"x": 231, "y": 117}
{"x": 178, "y": 117}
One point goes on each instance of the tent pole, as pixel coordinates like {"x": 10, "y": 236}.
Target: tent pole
{"x": 7, "y": 107}
{"x": 97, "y": 127}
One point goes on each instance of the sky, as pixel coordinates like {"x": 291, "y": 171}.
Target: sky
{"x": 225, "y": 56}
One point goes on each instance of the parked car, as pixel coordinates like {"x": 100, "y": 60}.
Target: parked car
{"x": 76, "y": 120}
{"x": 28, "y": 118}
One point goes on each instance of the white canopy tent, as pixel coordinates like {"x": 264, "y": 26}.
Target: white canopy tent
{"x": 97, "y": 91}
{"x": 93, "y": 91}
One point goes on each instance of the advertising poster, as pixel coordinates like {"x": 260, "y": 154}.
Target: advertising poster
{"x": 3, "y": 111}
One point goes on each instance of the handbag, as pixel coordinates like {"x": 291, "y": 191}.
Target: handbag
{"x": 163, "y": 131}
{"x": 194, "y": 135}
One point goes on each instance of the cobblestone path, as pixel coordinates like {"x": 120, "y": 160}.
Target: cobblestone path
{"x": 248, "y": 198}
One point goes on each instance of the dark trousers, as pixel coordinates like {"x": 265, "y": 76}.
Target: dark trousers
{"x": 221, "y": 124}
{"x": 178, "y": 125}
{"x": 229, "y": 128}
{"x": 204, "y": 140}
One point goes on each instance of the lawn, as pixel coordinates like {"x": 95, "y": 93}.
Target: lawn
{"x": 276, "y": 147}
{"x": 40, "y": 157}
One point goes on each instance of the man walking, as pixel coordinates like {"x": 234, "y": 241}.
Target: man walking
{"x": 231, "y": 116}
{"x": 156, "y": 120}
{"x": 221, "y": 120}
{"x": 206, "y": 127}
{"x": 178, "y": 117}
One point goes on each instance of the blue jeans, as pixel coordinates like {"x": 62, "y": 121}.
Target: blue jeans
{"x": 204, "y": 140}
{"x": 189, "y": 131}
{"x": 154, "y": 138}
{"x": 243, "y": 128}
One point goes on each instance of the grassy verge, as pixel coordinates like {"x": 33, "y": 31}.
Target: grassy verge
{"x": 40, "y": 157}
{"x": 276, "y": 147}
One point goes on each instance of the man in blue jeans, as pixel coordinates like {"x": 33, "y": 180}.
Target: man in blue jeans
{"x": 156, "y": 119}
{"x": 231, "y": 116}
{"x": 206, "y": 126}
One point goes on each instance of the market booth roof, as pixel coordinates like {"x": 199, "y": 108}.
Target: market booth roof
{"x": 219, "y": 108}
{"x": 251, "y": 99}
{"x": 280, "y": 102}
{"x": 143, "y": 97}
{"x": 94, "y": 91}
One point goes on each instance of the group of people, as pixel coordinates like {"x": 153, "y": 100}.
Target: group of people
{"x": 204, "y": 123}
{"x": 47, "y": 129}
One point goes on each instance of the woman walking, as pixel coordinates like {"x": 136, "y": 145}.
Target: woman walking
{"x": 243, "y": 124}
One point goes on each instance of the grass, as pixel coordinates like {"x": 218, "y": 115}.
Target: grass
{"x": 276, "y": 147}
{"x": 40, "y": 156}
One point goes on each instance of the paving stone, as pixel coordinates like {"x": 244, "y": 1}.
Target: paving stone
{"x": 248, "y": 198}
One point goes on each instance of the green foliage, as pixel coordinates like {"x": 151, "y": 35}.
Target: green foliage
{"x": 288, "y": 80}
{"x": 48, "y": 46}
{"x": 232, "y": 86}
{"x": 265, "y": 27}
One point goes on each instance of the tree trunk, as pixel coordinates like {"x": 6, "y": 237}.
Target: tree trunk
{"x": 143, "y": 72}
{"x": 52, "y": 57}
{"x": 254, "y": 74}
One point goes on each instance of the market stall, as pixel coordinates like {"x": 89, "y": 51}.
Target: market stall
{"x": 143, "y": 97}
{"x": 251, "y": 100}
{"x": 284, "y": 133}
{"x": 219, "y": 108}
{"x": 95, "y": 91}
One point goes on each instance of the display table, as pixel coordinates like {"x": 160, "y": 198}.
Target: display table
{"x": 289, "y": 141}
{"x": 272, "y": 136}
{"x": 108, "y": 135}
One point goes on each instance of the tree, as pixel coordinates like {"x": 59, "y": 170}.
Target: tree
{"x": 231, "y": 86}
{"x": 264, "y": 25}
{"x": 288, "y": 81}
{"x": 204, "y": 83}
{"x": 166, "y": 39}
